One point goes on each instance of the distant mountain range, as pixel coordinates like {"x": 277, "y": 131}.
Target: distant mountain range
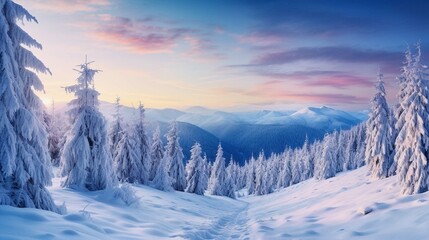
{"x": 243, "y": 133}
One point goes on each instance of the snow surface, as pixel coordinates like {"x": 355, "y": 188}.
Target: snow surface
{"x": 328, "y": 209}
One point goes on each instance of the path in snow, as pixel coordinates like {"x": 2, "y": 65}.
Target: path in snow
{"x": 231, "y": 226}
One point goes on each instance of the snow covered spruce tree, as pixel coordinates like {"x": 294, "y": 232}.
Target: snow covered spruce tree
{"x": 251, "y": 176}
{"x": 412, "y": 142}
{"x": 262, "y": 185}
{"x": 285, "y": 175}
{"x": 25, "y": 167}
{"x": 86, "y": 159}
{"x": 219, "y": 182}
{"x": 218, "y": 174}
{"x": 162, "y": 180}
{"x": 116, "y": 129}
{"x": 127, "y": 160}
{"x": 54, "y": 137}
{"x": 156, "y": 153}
{"x": 326, "y": 166}
{"x": 195, "y": 171}
{"x": 143, "y": 149}
{"x": 379, "y": 147}
{"x": 174, "y": 154}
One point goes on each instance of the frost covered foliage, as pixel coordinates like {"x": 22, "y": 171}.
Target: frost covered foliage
{"x": 162, "y": 180}
{"x": 156, "y": 153}
{"x": 219, "y": 183}
{"x": 127, "y": 160}
{"x": 127, "y": 194}
{"x": 142, "y": 147}
{"x": 195, "y": 171}
{"x": 250, "y": 176}
{"x": 25, "y": 167}
{"x": 54, "y": 137}
{"x": 379, "y": 145}
{"x": 86, "y": 159}
{"x": 412, "y": 142}
{"x": 173, "y": 152}
{"x": 116, "y": 129}
{"x": 326, "y": 165}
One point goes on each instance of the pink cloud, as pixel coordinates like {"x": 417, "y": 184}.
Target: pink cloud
{"x": 142, "y": 36}
{"x": 151, "y": 35}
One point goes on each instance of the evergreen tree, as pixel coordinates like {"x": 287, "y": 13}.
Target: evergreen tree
{"x": 297, "y": 166}
{"x": 307, "y": 159}
{"x": 162, "y": 180}
{"x": 116, "y": 129}
{"x": 25, "y": 167}
{"x": 127, "y": 160}
{"x": 285, "y": 176}
{"x": 218, "y": 174}
{"x": 378, "y": 154}
{"x": 54, "y": 137}
{"x": 251, "y": 176}
{"x": 86, "y": 159}
{"x": 261, "y": 183}
{"x": 175, "y": 155}
{"x": 142, "y": 144}
{"x": 229, "y": 190}
{"x": 156, "y": 153}
{"x": 326, "y": 164}
{"x": 195, "y": 171}
{"x": 412, "y": 143}
{"x": 207, "y": 171}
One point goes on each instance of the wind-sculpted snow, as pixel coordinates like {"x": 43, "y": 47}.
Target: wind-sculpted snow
{"x": 326, "y": 209}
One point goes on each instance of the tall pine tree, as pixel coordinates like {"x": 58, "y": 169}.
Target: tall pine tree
{"x": 25, "y": 167}
{"x": 379, "y": 148}
{"x": 412, "y": 143}
{"x": 86, "y": 160}
{"x": 174, "y": 154}
{"x": 195, "y": 171}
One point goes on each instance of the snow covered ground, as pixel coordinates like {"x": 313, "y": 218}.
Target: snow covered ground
{"x": 328, "y": 209}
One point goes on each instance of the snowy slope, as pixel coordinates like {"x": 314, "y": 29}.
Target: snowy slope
{"x": 328, "y": 209}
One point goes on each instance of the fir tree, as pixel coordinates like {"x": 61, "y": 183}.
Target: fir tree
{"x": 251, "y": 176}
{"x": 175, "y": 155}
{"x": 116, "y": 129}
{"x": 218, "y": 174}
{"x": 142, "y": 144}
{"x": 86, "y": 159}
{"x": 412, "y": 143}
{"x": 127, "y": 159}
{"x": 195, "y": 172}
{"x": 326, "y": 164}
{"x": 285, "y": 176}
{"x": 54, "y": 137}
{"x": 162, "y": 180}
{"x": 378, "y": 154}
{"x": 24, "y": 158}
{"x": 156, "y": 153}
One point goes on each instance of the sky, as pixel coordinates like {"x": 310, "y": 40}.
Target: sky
{"x": 232, "y": 55}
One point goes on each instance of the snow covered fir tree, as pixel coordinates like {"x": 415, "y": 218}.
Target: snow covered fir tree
{"x": 86, "y": 161}
{"x": 173, "y": 152}
{"x": 379, "y": 144}
{"x": 195, "y": 171}
{"x": 24, "y": 158}
{"x": 116, "y": 129}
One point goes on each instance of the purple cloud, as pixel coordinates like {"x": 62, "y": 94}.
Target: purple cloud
{"x": 338, "y": 54}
